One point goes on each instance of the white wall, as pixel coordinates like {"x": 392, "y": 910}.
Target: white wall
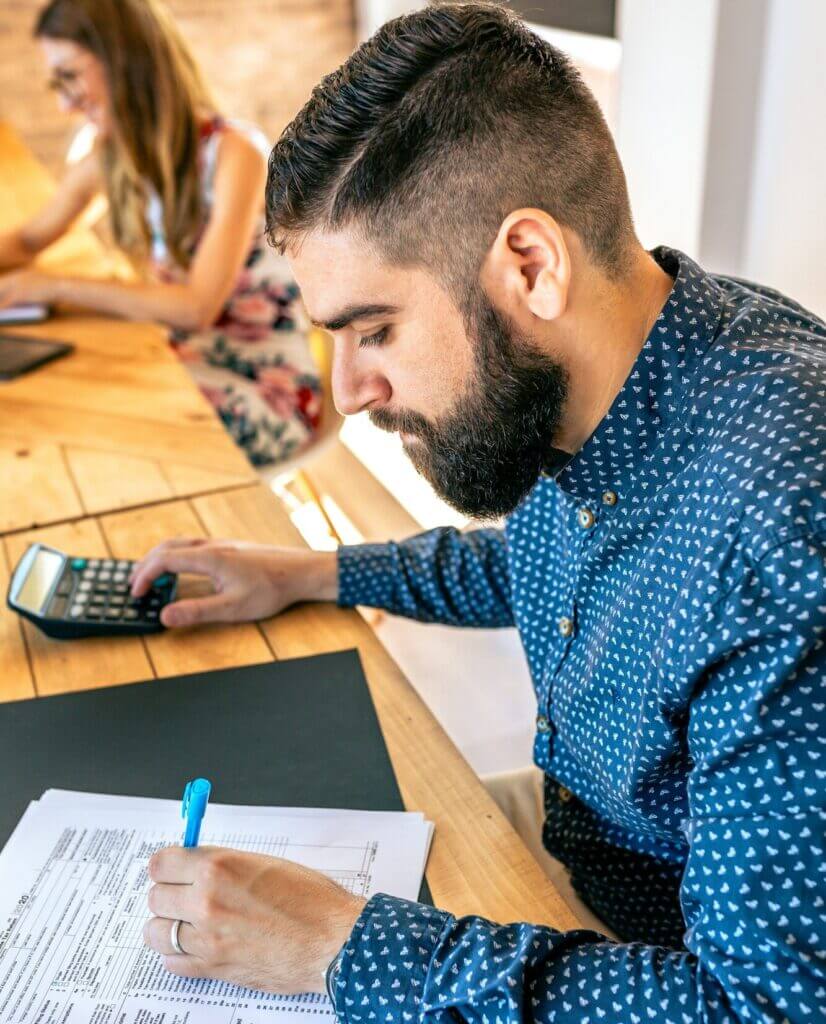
{"x": 785, "y": 242}
{"x": 664, "y": 102}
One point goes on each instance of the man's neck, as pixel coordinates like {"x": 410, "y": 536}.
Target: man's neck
{"x": 609, "y": 324}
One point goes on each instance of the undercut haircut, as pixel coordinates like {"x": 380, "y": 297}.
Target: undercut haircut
{"x": 438, "y": 127}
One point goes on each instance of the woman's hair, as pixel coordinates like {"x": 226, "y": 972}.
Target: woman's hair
{"x": 157, "y": 97}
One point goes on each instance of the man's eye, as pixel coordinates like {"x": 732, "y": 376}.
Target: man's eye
{"x": 373, "y": 339}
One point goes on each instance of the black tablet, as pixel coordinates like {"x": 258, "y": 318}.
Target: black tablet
{"x": 18, "y": 354}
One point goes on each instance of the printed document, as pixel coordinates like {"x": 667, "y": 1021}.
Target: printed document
{"x": 73, "y": 887}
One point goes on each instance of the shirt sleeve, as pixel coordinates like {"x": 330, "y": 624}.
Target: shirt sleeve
{"x": 754, "y": 881}
{"x": 458, "y": 579}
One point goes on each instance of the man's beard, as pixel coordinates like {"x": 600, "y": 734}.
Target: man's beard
{"x": 484, "y": 456}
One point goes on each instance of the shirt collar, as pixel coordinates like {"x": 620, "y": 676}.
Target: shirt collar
{"x": 653, "y": 392}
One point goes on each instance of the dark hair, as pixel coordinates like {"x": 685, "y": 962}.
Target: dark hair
{"x": 435, "y": 129}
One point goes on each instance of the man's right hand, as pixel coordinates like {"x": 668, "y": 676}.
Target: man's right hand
{"x": 250, "y": 581}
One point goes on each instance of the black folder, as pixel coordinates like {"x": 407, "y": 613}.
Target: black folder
{"x": 298, "y": 733}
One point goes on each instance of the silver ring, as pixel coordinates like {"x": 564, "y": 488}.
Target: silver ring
{"x": 173, "y": 937}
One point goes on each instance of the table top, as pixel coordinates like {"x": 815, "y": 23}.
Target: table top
{"x": 113, "y": 450}
{"x": 116, "y": 424}
{"x": 477, "y": 865}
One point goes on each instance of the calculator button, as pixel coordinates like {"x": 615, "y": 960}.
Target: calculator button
{"x": 107, "y": 563}
{"x": 98, "y": 599}
{"x": 131, "y": 613}
{"x": 114, "y": 613}
{"x": 76, "y": 611}
{"x": 104, "y": 574}
{"x": 94, "y": 612}
{"x": 79, "y": 563}
{"x": 123, "y": 565}
{"x": 94, "y": 563}
{"x": 151, "y": 614}
{"x": 119, "y": 577}
{"x": 120, "y": 588}
{"x": 84, "y": 586}
{"x": 116, "y": 599}
{"x": 81, "y": 598}
{"x": 87, "y": 574}
{"x": 154, "y": 602}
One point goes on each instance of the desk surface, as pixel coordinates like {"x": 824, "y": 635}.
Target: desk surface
{"x": 118, "y": 423}
{"x": 97, "y": 432}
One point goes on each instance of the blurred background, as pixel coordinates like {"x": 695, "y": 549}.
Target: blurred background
{"x": 717, "y": 110}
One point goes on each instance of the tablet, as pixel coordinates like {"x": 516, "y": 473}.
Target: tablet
{"x": 18, "y": 354}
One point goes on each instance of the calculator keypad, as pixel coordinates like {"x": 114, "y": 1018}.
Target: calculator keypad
{"x": 96, "y": 590}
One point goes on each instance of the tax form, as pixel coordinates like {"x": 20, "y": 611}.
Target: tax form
{"x": 73, "y": 887}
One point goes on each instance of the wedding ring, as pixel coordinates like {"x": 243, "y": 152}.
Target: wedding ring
{"x": 173, "y": 936}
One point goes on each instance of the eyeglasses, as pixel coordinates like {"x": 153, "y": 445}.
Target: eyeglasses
{"x": 67, "y": 82}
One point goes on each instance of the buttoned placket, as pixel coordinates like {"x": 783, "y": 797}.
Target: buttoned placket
{"x": 587, "y": 515}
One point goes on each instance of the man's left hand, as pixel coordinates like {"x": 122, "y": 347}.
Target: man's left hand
{"x": 257, "y": 921}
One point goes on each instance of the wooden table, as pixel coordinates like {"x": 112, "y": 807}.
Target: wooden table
{"x": 118, "y": 423}
{"x": 478, "y": 864}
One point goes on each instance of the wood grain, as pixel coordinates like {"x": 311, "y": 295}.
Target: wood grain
{"x": 58, "y": 665}
{"x": 199, "y": 649}
{"x": 118, "y": 423}
{"x": 36, "y": 482}
{"x": 16, "y": 680}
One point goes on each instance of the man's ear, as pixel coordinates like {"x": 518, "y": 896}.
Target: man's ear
{"x": 528, "y": 267}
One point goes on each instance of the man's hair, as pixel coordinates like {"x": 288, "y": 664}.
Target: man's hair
{"x": 438, "y": 127}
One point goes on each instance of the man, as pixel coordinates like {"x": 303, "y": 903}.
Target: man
{"x": 457, "y": 217}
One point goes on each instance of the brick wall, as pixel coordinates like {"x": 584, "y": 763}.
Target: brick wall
{"x": 261, "y": 58}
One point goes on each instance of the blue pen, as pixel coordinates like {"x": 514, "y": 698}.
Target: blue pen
{"x": 193, "y": 808}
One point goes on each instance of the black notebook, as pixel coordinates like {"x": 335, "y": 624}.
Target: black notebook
{"x": 298, "y": 733}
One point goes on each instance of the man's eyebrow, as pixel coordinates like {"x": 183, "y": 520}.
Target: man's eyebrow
{"x": 351, "y": 313}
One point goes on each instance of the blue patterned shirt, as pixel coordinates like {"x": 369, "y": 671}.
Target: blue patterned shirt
{"x": 669, "y": 587}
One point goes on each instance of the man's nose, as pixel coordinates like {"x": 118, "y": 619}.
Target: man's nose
{"x": 356, "y": 384}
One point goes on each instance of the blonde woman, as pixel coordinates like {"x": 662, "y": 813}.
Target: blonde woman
{"x": 185, "y": 190}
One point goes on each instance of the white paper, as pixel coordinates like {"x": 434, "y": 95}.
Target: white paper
{"x": 73, "y": 903}
{"x": 25, "y": 313}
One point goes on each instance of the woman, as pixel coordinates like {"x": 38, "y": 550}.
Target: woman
{"x": 185, "y": 192}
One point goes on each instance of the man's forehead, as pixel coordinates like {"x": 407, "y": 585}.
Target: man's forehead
{"x": 337, "y": 271}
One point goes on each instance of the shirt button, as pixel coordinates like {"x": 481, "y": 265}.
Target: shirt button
{"x": 565, "y": 794}
{"x": 542, "y": 724}
{"x": 565, "y": 626}
{"x": 586, "y": 518}
{"x": 609, "y": 498}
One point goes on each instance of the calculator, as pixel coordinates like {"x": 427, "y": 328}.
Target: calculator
{"x": 67, "y": 596}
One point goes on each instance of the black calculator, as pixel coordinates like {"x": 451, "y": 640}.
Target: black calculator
{"x": 67, "y": 596}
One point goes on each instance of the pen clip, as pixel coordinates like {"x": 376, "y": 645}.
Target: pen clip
{"x": 185, "y": 801}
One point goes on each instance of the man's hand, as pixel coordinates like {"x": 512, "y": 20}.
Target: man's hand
{"x": 252, "y": 920}
{"x": 250, "y": 581}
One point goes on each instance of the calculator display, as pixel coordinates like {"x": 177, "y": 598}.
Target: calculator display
{"x": 44, "y": 571}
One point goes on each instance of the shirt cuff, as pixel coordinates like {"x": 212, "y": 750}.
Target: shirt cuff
{"x": 366, "y": 575}
{"x": 386, "y": 960}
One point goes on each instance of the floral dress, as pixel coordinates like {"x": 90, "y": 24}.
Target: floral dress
{"x": 254, "y": 364}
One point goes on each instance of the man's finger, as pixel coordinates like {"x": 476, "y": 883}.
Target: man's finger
{"x": 195, "y": 610}
{"x": 194, "y": 559}
{"x": 175, "y": 865}
{"x": 157, "y": 934}
{"x": 167, "y": 545}
{"x": 173, "y": 901}
{"x": 188, "y": 967}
